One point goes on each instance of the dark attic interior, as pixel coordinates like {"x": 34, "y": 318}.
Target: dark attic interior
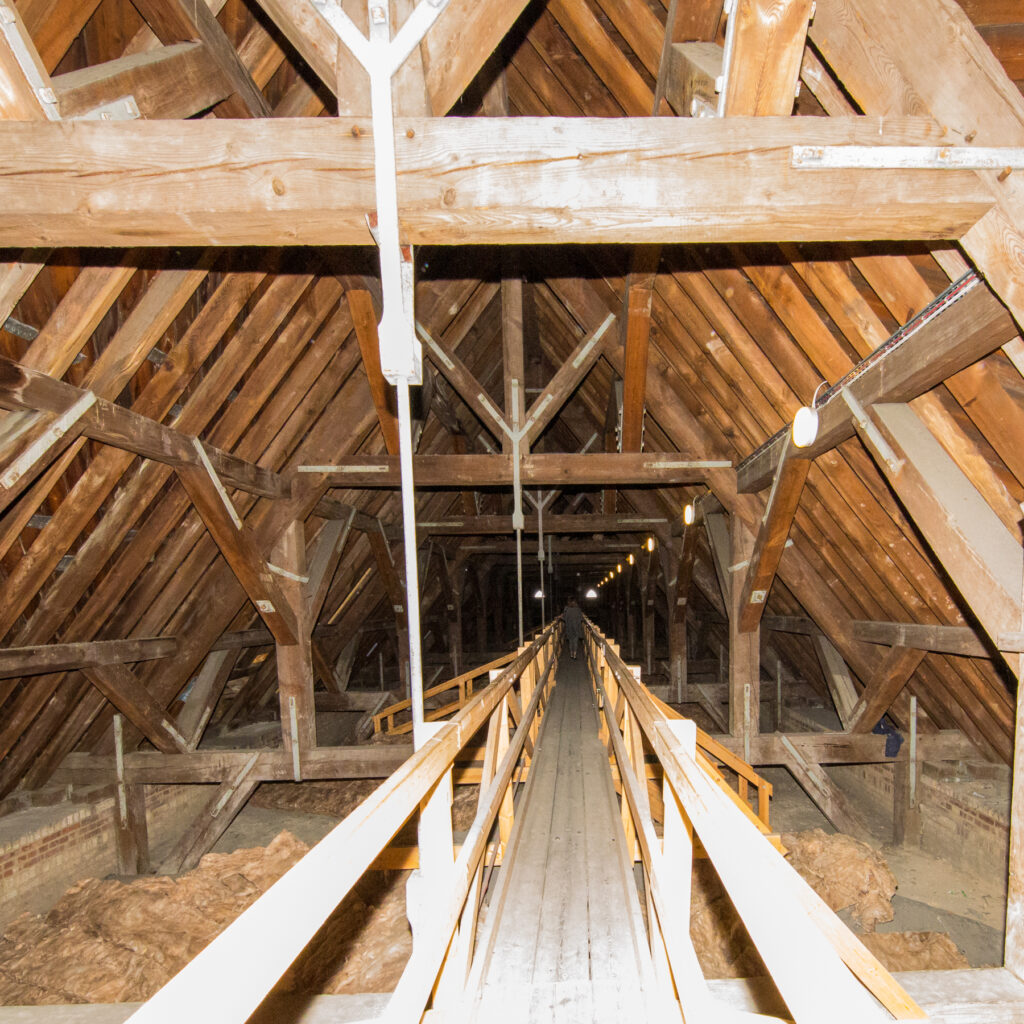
{"x": 511, "y": 511}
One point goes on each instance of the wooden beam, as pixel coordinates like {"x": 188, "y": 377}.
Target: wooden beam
{"x": 469, "y": 389}
{"x": 294, "y": 659}
{"x": 170, "y": 82}
{"x": 147, "y": 767}
{"x": 43, "y": 658}
{"x": 565, "y": 380}
{"x": 790, "y": 476}
{"x": 767, "y": 47}
{"x": 581, "y": 523}
{"x": 849, "y": 748}
{"x": 884, "y": 687}
{"x": 93, "y": 183}
{"x": 791, "y": 624}
{"x": 981, "y": 557}
{"x": 513, "y": 359}
{"x": 179, "y": 21}
{"x": 545, "y": 470}
{"x": 364, "y": 319}
{"x": 962, "y": 640}
{"x": 136, "y": 703}
{"x": 635, "y": 327}
{"x": 19, "y": 99}
{"x": 837, "y": 678}
{"x": 113, "y": 424}
{"x": 744, "y": 646}
{"x": 692, "y": 80}
{"x": 825, "y": 794}
{"x": 944, "y": 338}
{"x": 238, "y": 545}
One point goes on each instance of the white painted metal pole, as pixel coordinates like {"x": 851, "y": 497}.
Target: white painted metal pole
{"x": 412, "y": 582}
{"x": 519, "y": 580}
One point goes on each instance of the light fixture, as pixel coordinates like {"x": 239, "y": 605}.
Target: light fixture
{"x": 631, "y": 558}
{"x": 538, "y": 593}
{"x": 689, "y": 514}
{"x": 805, "y": 426}
{"x": 618, "y": 568}
{"x": 650, "y": 543}
{"x": 591, "y": 594}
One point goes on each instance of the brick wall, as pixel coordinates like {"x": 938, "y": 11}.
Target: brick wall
{"x": 966, "y": 823}
{"x": 62, "y": 844}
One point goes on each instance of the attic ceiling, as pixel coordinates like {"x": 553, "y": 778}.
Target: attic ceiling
{"x": 260, "y": 353}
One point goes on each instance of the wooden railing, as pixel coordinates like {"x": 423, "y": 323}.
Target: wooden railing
{"x": 231, "y": 977}
{"x": 820, "y": 968}
{"x": 384, "y": 720}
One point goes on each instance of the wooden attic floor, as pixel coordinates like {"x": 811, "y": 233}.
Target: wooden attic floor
{"x": 565, "y": 938}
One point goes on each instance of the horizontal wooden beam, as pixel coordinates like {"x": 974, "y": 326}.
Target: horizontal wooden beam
{"x": 944, "y": 639}
{"x": 169, "y": 82}
{"x": 309, "y": 181}
{"x": 110, "y": 423}
{"x": 849, "y": 748}
{"x": 962, "y": 326}
{"x": 791, "y": 624}
{"x": 33, "y": 661}
{"x": 480, "y": 525}
{"x": 546, "y": 470}
{"x": 354, "y": 762}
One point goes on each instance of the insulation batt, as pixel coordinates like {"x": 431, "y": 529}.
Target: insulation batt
{"x": 111, "y": 941}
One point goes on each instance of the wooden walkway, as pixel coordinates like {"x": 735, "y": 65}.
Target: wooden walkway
{"x": 564, "y": 939}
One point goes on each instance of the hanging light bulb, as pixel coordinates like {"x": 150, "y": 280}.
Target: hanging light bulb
{"x": 689, "y": 514}
{"x": 631, "y": 558}
{"x": 591, "y": 594}
{"x": 618, "y": 568}
{"x": 650, "y": 543}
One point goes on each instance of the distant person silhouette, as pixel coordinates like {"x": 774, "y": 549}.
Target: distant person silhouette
{"x": 573, "y": 619}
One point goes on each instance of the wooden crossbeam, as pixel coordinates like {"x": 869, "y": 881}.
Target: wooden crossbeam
{"x": 566, "y": 380}
{"x": 790, "y": 476}
{"x": 179, "y": 21}
{"x": 93, "y": 183}
{"x": 962, "y": 640}
{"x": 43, "y": 658}
{"x": 198, "y": 83}
{"x": 353, "y": 762}
{"x": 239, "y": 547}
{"x": 469, "y": 389}
{"x": 134, "y": 701}
{"x": 103, "y": 420}
{"x": 923, "y": 354}
{"x": 884, "y": 687}
{"x": 544, "y": 470}
{"x": 582, "y": 523}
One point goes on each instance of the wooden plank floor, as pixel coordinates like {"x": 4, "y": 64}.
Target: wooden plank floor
{"x": 565, "y": 940}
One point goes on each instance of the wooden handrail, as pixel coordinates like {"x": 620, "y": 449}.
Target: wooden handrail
{"x": 809, "y": 952}
{"x": 235, "y": 972}
{"x": 391, "y": 710}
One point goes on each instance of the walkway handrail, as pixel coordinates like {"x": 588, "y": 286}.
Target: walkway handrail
{"x": 235, "y": 972}
{"x": 813, "y": 958}
{"x": 384, "y": 720}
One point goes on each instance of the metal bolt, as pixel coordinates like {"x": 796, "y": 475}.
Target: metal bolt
{"x": 378, "y": 15}
{"x": 46, "y": 94}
